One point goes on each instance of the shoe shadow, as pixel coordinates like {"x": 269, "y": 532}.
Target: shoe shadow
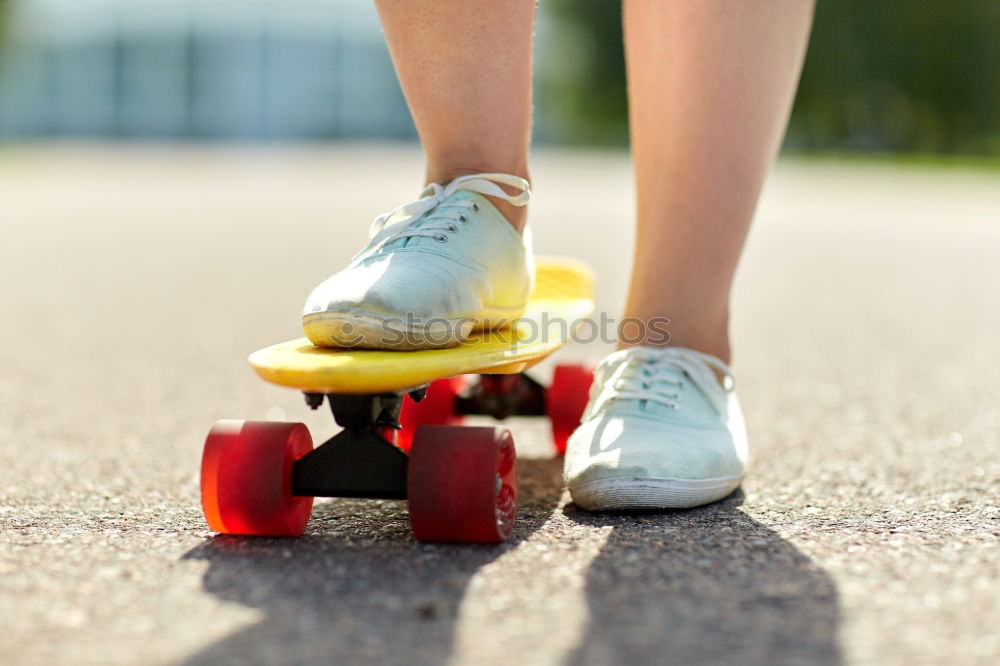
{"x": 704, "y": 586}
{"x": 356, "y": 588}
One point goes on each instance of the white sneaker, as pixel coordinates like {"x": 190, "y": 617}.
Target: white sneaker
{"x": 659, "y": 432}
{"x": 435, "y": 270}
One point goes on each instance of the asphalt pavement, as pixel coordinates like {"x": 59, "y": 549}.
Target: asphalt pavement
{"x": 135, "y": 280}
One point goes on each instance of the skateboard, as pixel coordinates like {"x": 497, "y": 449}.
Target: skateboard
{"x": 401, "y": 415}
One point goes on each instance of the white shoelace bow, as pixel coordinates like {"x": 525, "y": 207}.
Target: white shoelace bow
{"x": 654, "y": 376}
{"x": 402, "y": 221}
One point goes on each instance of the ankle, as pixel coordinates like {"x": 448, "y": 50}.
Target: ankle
{"x": 713, "y": 340}
{"x": 445, "y": 173}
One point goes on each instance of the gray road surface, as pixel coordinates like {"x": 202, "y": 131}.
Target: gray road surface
{"x": 136, "y": 280}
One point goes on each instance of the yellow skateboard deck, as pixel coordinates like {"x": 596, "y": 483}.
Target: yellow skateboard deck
{"x": 564, "y": 295}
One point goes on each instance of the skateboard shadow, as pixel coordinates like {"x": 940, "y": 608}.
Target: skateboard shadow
{"x": 356, "y": 588}
{"x": 704, "y": 586}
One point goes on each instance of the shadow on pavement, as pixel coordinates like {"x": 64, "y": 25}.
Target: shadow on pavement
{"x": 705, "y": 586}
{"x": 356, "y": 588}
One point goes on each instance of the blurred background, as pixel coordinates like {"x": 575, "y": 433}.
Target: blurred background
{"x": 176, "y": 175}
{"x": 893, "y": 77}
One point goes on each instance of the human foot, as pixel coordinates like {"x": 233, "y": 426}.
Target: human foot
{"x": 659, "y": 432}
{"x": 435, "y": 270}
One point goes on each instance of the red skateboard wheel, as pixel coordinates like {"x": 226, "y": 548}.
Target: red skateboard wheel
{"x": 437, "y": 408}
{"x": 246, "y": 478}
{"x": 462, "y": 484}
{"x": 565, "y": 400}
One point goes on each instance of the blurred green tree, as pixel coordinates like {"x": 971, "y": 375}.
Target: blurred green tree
{"x": 583, "y": 81}
{"x": 887, "y": 76}
{"x": 5, "y": 12}
{"x": 902, "y": 75}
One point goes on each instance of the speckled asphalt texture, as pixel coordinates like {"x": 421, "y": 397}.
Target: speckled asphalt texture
{"x": 136, "y": 280}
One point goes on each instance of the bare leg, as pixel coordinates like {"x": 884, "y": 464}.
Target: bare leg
{"x": 710, "y": 88}
{"x": 465, "y": 68}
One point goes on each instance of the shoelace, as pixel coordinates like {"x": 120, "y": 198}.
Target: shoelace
{"x": 651, "y": 375}
{"x": 434, "y": 217}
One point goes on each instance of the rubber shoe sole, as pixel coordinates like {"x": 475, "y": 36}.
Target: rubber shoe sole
{"x": 636, "y": 492}
{"x": 365, "y": 330}
{"x": 356, "y": 330}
